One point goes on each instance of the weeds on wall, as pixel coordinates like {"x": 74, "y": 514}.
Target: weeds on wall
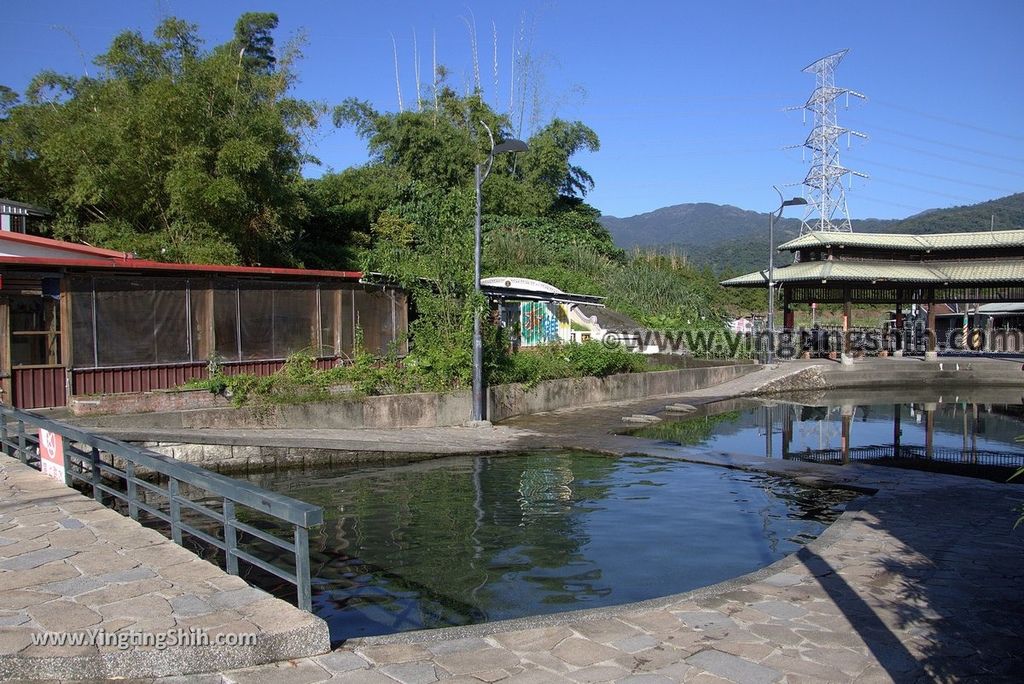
{"x": 300, "y": 381}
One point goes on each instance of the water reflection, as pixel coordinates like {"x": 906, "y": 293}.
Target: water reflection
{"x": 465, "y": 540}
{"x": 972, "y": 431}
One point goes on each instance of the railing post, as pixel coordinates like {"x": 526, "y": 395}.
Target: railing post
{"x": 22, "y": 452}
{"x": 3, "y": 434}
{"x": 230, "y": 538}
{"x": 97, "y": 476}
{"x": 65, "y": 456}
{"x": 302, "y": 568}
{"x": 132, "y": 489}
{"x": 175, "y": 508}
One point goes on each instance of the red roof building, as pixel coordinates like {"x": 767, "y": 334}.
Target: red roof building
{"x": 78, "y": 320}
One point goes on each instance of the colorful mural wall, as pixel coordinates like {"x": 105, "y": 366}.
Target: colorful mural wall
{"x": 543, "y": 323}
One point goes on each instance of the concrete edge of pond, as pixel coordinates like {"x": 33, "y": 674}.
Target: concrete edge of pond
{"x": 828, "y": 536}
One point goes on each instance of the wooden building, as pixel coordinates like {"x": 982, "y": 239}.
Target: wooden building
{"x": 77, "y": 320}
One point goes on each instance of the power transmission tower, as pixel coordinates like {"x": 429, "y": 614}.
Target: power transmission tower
{"x": 826, "y": 198}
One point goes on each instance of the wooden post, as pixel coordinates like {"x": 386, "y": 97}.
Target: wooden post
{"x": 203, "y": 342}
{"x": 64, "y": 326}
{"x": 898, "y": 328}
{"x": 336, "y": 328}
{"x": 931, "y": 350}
{"x": 788, "y": 317}
{"x": 847, "y": 316}
{"x": 6, "y": 372}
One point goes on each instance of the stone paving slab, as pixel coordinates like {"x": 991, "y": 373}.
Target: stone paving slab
{"x": 75, "y": 566}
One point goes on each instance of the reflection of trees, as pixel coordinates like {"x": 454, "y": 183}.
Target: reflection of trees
{"x": 425, "y": 545}
{"x": 688, "y": 431}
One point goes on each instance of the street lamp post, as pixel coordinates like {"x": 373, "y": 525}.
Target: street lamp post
{"x": 775, "y": 215}
{"x": 480, "y": 175}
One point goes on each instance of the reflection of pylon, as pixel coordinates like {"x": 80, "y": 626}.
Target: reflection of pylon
{"x": 826, "y": 199}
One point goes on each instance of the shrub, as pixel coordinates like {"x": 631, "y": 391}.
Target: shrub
{"x": 554, "y": 361}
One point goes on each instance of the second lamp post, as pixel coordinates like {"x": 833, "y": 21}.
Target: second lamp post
{"x": 775, "y": 215}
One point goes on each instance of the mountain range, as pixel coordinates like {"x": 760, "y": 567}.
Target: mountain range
{"x": 731, "y": 240}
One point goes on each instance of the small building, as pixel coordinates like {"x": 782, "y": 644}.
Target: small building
{"x": 78, "y": 320}
{"x": 16, "y": 216}
{"x": 537, "y": 313}
{"x": 744, "y": 325}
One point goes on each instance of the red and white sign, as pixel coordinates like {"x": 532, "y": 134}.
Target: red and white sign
{"x": 51, "y": 454}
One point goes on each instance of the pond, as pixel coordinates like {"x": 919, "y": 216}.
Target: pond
{"x": 465, "y": 540}
{"x": 975, "y": 433}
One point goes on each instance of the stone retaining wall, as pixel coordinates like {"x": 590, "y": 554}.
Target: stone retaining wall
{"x": 430, "y": 409}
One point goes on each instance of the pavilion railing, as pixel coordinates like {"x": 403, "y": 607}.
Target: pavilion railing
{"x": 116, "y": 471}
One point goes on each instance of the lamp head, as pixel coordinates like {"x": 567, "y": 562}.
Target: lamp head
{"x": 511, "y": 145}
{"x": 796, "y": 201}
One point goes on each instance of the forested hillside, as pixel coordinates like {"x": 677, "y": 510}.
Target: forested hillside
{"x": 731, "y": 240}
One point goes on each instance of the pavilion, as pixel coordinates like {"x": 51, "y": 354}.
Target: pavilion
{"x": 898, "y": 270}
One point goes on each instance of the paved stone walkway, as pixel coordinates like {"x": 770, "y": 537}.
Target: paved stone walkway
{"x": 71, "y": 565}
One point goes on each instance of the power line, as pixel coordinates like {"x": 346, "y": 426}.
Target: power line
{"x": 952, "y": 122}
{"x": 959, "y": 198}
{"x": 957, "y": 160}
{"x": 875, "y": 200}
{"x": 933, "y": 176}
{"x": 962, "y": 148}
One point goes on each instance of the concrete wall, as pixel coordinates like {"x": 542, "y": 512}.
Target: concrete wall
{"x": 431, "y": 409}
{"x": 507, "y": 401}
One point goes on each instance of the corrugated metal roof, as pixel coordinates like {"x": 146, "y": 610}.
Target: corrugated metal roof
{"x": 935, "y": 272}
{"x": 912, "y": 243}
{"x": 613, "y": 321}
{"x": 1001, "y": 309}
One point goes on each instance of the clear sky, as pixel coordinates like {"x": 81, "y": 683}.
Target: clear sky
{"x": 687, "y": 97}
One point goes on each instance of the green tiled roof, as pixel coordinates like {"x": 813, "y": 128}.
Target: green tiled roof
{"x": 932, "y": 272}
{"x": 911, "y": 243}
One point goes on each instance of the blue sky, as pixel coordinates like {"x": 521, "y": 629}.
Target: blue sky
{"x": 687, "y": 97}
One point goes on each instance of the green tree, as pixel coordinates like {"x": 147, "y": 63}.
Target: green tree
{"x": 254, "y": 39}
{"x": 170, "y": 152}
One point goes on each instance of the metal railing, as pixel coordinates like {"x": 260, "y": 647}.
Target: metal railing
{"x": 982, "y": 457}
{"x": 103, "y": 464}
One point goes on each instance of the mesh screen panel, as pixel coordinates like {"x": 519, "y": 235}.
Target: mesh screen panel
{"x": 140, "y": 321}
{"x": 83, "y": 347}
{"x": 225, "y": 321}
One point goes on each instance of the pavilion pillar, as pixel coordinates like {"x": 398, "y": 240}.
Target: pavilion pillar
{"x": 898, "y": 326}
{"x": 931, "y": 349}
{"x": 846, "y": 359}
